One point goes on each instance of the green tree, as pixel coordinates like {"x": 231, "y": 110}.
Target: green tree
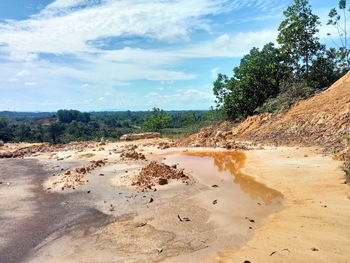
{"x": 54, "y": 131}
{"x": 339, "y": 19}
{"x": 6, "y": 133}
{"x": 257, "y": 78}
{"x": 157, "y": 120}
{"x": 67, "y": 116}
{"x": 23, "y": 132}
{"x": 297, "y": 36}
{"x": 324, "y": 70}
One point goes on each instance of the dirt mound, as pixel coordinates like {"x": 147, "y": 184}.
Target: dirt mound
{"x": 159, "y": 174}
{"x": 132, "y": 154}
{"x": 74, "y": 178}
{"x": 218, "y": 136}
{"x": 323, "y": 120}
{"x": 166, "y": 145}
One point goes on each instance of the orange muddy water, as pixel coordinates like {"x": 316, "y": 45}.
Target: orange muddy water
{"x": 237, "y": 203}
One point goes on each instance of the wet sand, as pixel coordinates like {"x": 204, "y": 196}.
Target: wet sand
{"x": 312, "y": 226}
{"x": 212, "y": 227}
{"x": 29, "y": 216}
{"x": 98, "y": 222}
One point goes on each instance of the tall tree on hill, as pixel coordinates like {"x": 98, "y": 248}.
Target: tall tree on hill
{"x": 297, "y": 36}
{"x": 257, "y": 78}
{"x": 339, "y": 19}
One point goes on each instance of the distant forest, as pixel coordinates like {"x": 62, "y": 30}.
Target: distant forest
{"x": 65, "y": 126}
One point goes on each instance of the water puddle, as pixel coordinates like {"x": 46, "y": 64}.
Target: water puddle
{"x": 238, "y": 198}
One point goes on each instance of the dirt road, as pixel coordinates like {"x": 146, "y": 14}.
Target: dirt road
{"x": 29, "y": 215}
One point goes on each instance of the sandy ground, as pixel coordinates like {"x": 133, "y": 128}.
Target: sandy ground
{"x": 312, "y": 226}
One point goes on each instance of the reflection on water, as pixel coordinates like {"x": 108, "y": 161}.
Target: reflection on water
{"x": 227, "y": 164}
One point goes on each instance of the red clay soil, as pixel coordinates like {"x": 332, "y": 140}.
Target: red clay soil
{"x": 158, "y": 174}
{"x": 322, "y": 120}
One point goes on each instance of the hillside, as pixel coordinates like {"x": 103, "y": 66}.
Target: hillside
{"x": 322, "y": 120}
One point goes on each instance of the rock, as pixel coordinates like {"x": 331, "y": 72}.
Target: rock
{"x": 103, "y": 141}
{"x": 162, "y": 181}
{"x": 139, "y": 136}
{"x": 2, "y": 143}
{"x": 132, "y": 154}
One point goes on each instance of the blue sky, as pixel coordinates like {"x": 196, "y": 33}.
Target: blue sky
{"x": 128, "y": 54}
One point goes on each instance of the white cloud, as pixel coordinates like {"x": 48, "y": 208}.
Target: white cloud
{"x": 214, "y": 72}
{"x": 22, "y": 73}
{"x": 193, "y": 98}
{"x": 65, "y": 48}
{"x": 30, "y": 83}
{"x": 230, "y": 46}
{"x": 57, "y": 32}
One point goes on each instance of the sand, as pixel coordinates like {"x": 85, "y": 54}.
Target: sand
{"x": 312, "y": 226}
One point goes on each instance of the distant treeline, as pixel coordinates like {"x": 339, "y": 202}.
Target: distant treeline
{"x": 65, "y": 126}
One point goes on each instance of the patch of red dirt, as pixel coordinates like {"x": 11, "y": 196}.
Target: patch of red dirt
{"x": 159, "y": 174}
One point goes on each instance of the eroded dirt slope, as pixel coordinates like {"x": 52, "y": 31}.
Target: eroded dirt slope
{"x": 323, "y": 120}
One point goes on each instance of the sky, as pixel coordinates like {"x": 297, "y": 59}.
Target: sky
{"x": 95, "y": 55}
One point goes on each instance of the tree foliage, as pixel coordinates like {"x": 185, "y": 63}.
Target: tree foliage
{"x": 338, "y": 18}
{"x": 158, "y": 119}
{"x": 256, "y": 79}
{"x": 297, "y": 36}
{"x": 273, "y": 78}
{"x": 67, "y": 116}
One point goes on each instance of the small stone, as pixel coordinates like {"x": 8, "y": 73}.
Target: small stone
{"x": 162, "y": 181}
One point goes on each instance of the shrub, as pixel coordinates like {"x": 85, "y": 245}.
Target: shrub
{"x": 347, "y": 169}
{"x": 290, "y": 93}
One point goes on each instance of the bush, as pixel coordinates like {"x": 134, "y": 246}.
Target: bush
{"x": 156, "y": 121}
{"x": 290, "y": 93}
{"x": 347, "y": 169}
